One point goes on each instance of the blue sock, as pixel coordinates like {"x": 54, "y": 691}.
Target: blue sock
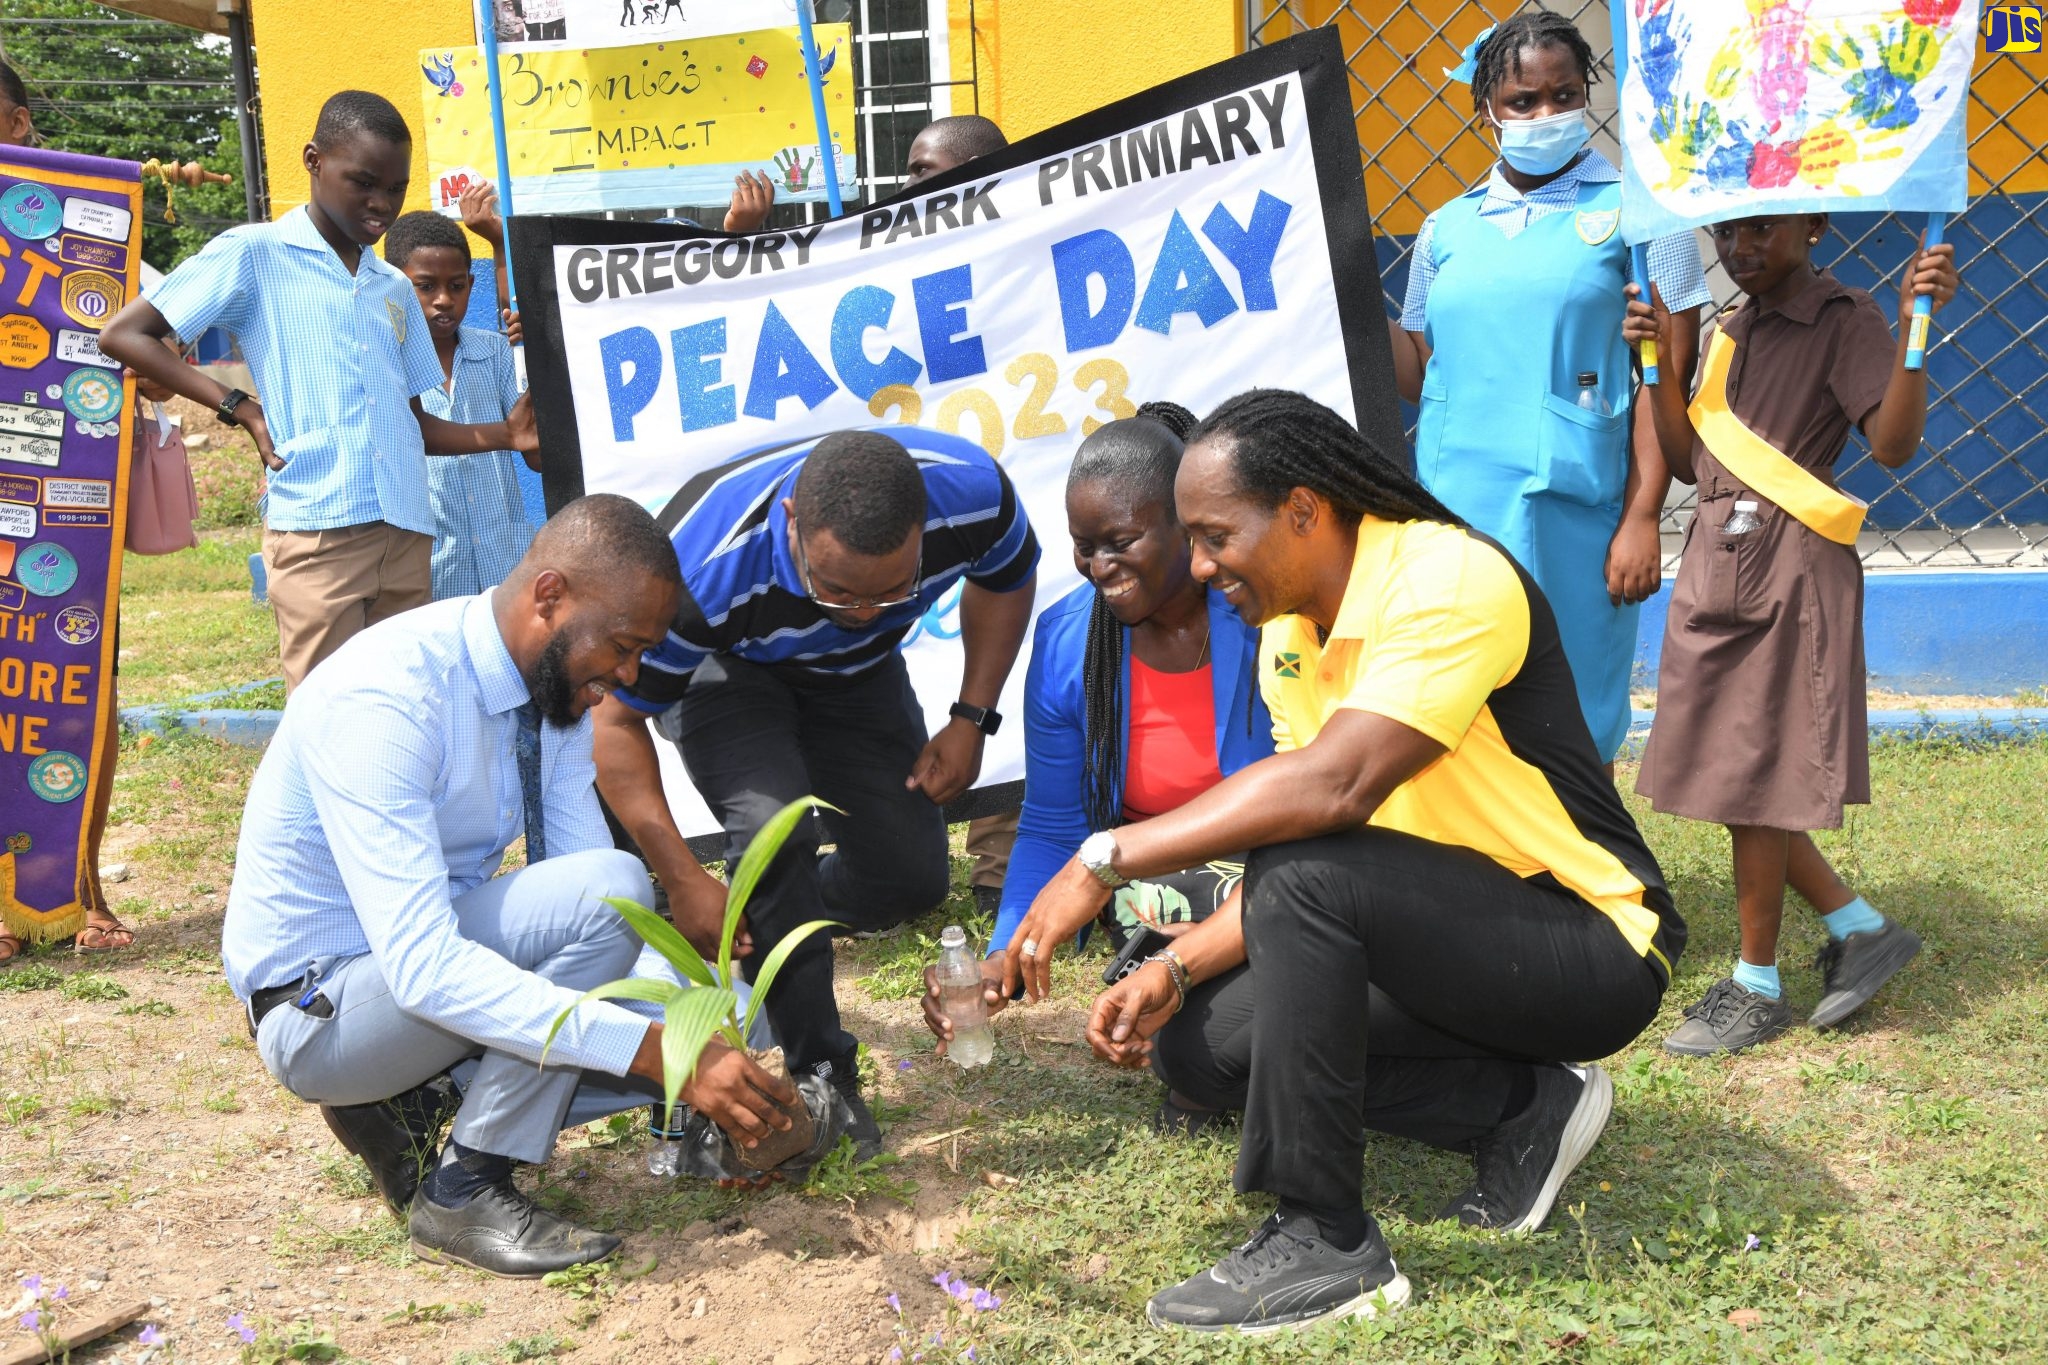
{"x": 1857, "y": 917}
{"x": 463, "y": 1174}
{"x": 1762, "y": 980}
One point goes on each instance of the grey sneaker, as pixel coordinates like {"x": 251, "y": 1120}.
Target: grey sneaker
{"x": 1285, "y": 1276}
{"x": 1729, "y": 1018}
{"x": 1521, "y": 1165}
{"x": 1853, "y": 969}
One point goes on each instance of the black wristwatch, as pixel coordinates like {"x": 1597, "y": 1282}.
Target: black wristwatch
{"x": 982, "y": 718}
{"x": 232, "y": 399}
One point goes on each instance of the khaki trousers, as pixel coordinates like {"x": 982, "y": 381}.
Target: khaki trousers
{"x": 326, "y": 586}
{"x": 989, "y": 841}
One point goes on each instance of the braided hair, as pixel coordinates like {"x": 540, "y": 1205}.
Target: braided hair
{"x": 1280, "y": 440}
{"x": 1502, "y": 51}
{"x": 1139, "y": 455}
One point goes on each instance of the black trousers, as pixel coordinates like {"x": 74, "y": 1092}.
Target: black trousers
{"x": 754, "y": 739}
{"x": 1397, "y": 986}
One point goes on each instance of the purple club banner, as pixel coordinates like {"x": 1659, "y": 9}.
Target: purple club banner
{"x": 70, "y": 244}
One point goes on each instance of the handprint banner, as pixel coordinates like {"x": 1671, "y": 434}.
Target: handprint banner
{"x": 649, "y": 126}
{"x": 1733, "y": 108}
{"x": 70, "y": 244}
{"x": 1203, "y": 238}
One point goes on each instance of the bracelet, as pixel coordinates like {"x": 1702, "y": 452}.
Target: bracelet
{"x": 1177, "y": 972}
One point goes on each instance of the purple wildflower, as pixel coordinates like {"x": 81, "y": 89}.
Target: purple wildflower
{"x": 150, "y": 1335}
{"x": 986, "y": 1302}
{"x": 969, "y": 1354}
{"x": 903, "y": 1065}
{"x": 938, "y": 1339}
{"x": 242, "y": 1329}
{"x": 61, "y": 1293}
{"x": 1752, "y": 1242}
{"x": 895, "y": 1305}
{"x": 895, "y": 1353}
{"x": 31, "y": 1320}
{"x": 34, "y": 1285}
{"x": 946, "y": 1280}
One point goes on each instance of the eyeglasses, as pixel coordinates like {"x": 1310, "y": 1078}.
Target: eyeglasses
{"x": 803, "y": 564}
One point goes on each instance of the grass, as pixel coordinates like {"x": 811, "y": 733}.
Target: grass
{"x": 189, "y": 626}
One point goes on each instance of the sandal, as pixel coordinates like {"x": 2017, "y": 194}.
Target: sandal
{"x": 11, "y": 947}
{"x": 103, "y": 938}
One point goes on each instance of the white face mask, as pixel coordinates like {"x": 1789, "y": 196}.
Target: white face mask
{"x": 1540, "y": 146}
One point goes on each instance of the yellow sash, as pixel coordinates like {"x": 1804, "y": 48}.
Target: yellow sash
{"x": 1761, "y": 466}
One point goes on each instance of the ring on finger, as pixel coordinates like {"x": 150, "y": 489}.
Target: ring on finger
{"x": 1030, "y": 948}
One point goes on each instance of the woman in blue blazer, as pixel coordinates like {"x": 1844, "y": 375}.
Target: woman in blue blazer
{"x": 1142, "y": 689}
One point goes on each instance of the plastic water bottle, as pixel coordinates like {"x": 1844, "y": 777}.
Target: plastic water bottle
{"x": 1589, "y": 393}
{"x": 1744, "y": 519}
{"x": 961, "y": 998}
{"x": 665, "y": 1157}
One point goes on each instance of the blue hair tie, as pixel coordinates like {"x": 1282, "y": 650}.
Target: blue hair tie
{"x": 1463, "y": 72}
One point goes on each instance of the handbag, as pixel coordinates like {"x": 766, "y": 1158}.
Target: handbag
{"x": 162, "y": 503}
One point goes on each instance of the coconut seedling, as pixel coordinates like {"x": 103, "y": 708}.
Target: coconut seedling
{"x": 708, "y": 1006}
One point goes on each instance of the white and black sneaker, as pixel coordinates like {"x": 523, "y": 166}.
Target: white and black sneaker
{"x": 1521, "y": 1165}
{"x": 1285, "y": 1276}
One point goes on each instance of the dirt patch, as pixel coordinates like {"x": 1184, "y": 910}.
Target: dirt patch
{"x": 145, "y": 1154}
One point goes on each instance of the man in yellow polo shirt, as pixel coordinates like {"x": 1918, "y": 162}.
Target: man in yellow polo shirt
{"x": 1447, "y": 907}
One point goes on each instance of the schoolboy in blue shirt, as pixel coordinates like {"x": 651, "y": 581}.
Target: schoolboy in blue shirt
{"x": 340, "y": 351}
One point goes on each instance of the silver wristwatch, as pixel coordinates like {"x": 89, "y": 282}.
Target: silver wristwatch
{"x": 1098, "y": 854}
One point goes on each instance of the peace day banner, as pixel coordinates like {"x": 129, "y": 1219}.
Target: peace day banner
{"x": 70, "y": 241}
{"x": 1734, "y": 108}
{"x": 1203, "y": 238}
{"x": 653, "y": 125}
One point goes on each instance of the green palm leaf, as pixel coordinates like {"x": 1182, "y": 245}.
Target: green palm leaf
{"x": 664, "y": 938}
{"x": 764, "y": 977}
{"x": 761, "y": 851}
{"x": 693, "y": 1017}
{"x": 628, "y": 988}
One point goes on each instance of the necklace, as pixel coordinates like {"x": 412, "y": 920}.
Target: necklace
{"x": 1203, "y": 657}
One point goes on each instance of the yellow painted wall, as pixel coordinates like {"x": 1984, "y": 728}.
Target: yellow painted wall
{"x": 308, "y": 49}
{"x": 1045, "y": 61}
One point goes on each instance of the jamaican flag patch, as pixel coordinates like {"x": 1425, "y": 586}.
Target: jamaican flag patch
{"x": 1286, "y": 665}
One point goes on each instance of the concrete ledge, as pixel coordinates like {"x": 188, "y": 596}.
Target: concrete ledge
{"x": 2006, "y": 725}
{"x": 1978, "y": 633}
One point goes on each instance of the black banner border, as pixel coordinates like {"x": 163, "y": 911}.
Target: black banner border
{"x": 1317, "y": 56}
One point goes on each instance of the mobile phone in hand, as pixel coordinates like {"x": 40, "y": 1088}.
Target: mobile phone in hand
{"x": 1144, "y": 942}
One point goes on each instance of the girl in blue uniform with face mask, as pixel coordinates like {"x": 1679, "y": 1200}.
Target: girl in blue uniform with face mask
{"x": 1510, "y": 338}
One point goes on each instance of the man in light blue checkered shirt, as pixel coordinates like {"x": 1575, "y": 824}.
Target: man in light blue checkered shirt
{"x": 377, "y": 948}
{"x": 340, "y": 351}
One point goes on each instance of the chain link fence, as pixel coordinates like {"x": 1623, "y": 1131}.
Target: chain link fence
{"x": 1977, "y": 496}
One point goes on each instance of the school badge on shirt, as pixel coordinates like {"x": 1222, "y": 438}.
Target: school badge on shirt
{"x": 1596, "y": 225}
{"x": 397, "y": 312}
{"x": 1286, "y": 665}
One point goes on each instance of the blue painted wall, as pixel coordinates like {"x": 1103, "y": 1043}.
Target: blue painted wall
{"x": 1979, "y": 633}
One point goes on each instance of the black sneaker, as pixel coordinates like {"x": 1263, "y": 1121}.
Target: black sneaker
{"x": 865, "y": 1132}
{"x": 1285, "y": 1276}
{"x": 989, "y": 900}
{"x": 1521, "y": 1165}
{"x": 1729, "y": 1018}
{"x": 502, "y": 1232}
{"x": 1853, "y": 969}
{"x": 398, "y": 1138}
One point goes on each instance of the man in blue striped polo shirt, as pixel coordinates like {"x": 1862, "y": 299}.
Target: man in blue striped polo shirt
{"x": 804, "y": 567}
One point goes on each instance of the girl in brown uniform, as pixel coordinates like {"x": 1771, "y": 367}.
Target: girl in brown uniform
{"x": 1761, "y": 720}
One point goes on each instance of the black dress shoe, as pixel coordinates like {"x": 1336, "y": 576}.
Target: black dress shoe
{"x": 397, "y": 1138}
{"x": 502, "y": 1232}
